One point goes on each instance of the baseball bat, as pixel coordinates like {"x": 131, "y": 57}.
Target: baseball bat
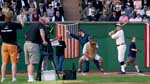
{"x": 124, "y": 24}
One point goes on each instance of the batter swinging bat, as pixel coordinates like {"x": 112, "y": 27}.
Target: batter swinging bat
{"x": 118, "y": 24}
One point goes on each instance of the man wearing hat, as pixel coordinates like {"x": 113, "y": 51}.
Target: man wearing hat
{"x": 128, "y": 10}
{"x": 123, "y": 17}
{"x": 118, "y": 35}
{"x": 83, "y": 38}
{"x": 89, "y": 54}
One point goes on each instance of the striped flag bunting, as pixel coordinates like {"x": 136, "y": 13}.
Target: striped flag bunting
{"x": 72, "y": 45}
{"x": 147, "y": 45}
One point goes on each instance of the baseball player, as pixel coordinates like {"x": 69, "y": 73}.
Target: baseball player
{"x": 118, "y": 35}
{"x": 132, "y": 55}
{"x": 89, "y": 54}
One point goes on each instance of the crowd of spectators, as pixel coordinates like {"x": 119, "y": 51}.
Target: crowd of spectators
{"x": 93, "y": 10}
{"x": 32, "y": 10}
{"x": 116, "y": 10}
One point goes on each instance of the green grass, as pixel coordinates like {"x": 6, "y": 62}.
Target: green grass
{"x": 22, "y": 79}
{"x": 115, "y": 78}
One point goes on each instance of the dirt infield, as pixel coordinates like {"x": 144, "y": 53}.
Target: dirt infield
{"x": 115, "y": 74}
{"x": 109, "y": 74}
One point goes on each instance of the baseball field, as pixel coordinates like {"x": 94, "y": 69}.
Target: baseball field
{"x": 91, "y": 78}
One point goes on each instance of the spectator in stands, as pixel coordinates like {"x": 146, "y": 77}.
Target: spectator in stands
{"x": 22, "y": 3}
{"x": 26, "y": 12}
{"x": 31, "y": 8}
{"x": 2, "y": 16}
{"x": 58, "y": 17}
{"x": 99, "y": 8}
{"x": 35, "y": 2}
{"x": 145, "y": 8}
{"x": 145, "y": 19}
{"x": 47, "y": 2}
{"x": 145, "y": 3}
{"x": 138, "y": 18}
{"x": 89, "y": 12}
{"x": 107, "y": 6}
{"x": 123, "y": 17}
{"x": 50, "y": 11}
{"x": 41, "y": 9}
{"x": 23, "y": 15}
{"x": 14, "y": 8}
{"x": 5, "y": 8}
{"x": 132, "y": 17}
{"x": 113, "y": 17}
{"x": 124, "y": 2}
{"x": 60, "y": 9}
{"x": 45, "y": 16}
{"x": 104, "y": 17}
{"x": 85, "y": 3}
{"x": 35, "y": 16}
{"x": 117, "y": 8}
{"x": 137, "y": 4}
{"x": 54, "y": 3}
{"x": 148, "y": 12}
{"x": 128, "y": 9}
{"x": 140, "y": 11}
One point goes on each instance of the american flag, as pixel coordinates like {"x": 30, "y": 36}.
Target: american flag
{"x": 72, "y": 45}
{"x": 147, "y": 45}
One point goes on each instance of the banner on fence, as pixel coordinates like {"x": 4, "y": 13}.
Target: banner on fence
{"x": 72, "y": 45}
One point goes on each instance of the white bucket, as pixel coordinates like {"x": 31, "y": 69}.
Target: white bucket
{"x": 48, "y": 75}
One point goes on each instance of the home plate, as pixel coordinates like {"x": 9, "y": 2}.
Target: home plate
{"x": 105, "y": 73}
{"x": 84, "y": 74}
{"x": 140, "y": 74}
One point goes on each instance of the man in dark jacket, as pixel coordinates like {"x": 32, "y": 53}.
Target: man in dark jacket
{"x": 83, "y": 38}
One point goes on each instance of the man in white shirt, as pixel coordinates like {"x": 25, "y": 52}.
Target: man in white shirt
{"x": 118, "y": 35}
{"x": 138, "y": 18}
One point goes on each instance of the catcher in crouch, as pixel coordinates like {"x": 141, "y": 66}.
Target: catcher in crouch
{"x": 89, "y": 54}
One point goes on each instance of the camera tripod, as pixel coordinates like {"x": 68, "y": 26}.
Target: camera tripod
{"x": 50, "y": 58}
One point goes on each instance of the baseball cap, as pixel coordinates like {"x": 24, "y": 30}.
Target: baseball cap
{"x": 122, "y": 12}
{"x": 118, "y": 24}
{"x": 81, "y": 30}
{"x": 42, "y": 20}
{"x": 90, "y": 37}
{"x": 89, "y": 3}
{"x": 128, "y": 4}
